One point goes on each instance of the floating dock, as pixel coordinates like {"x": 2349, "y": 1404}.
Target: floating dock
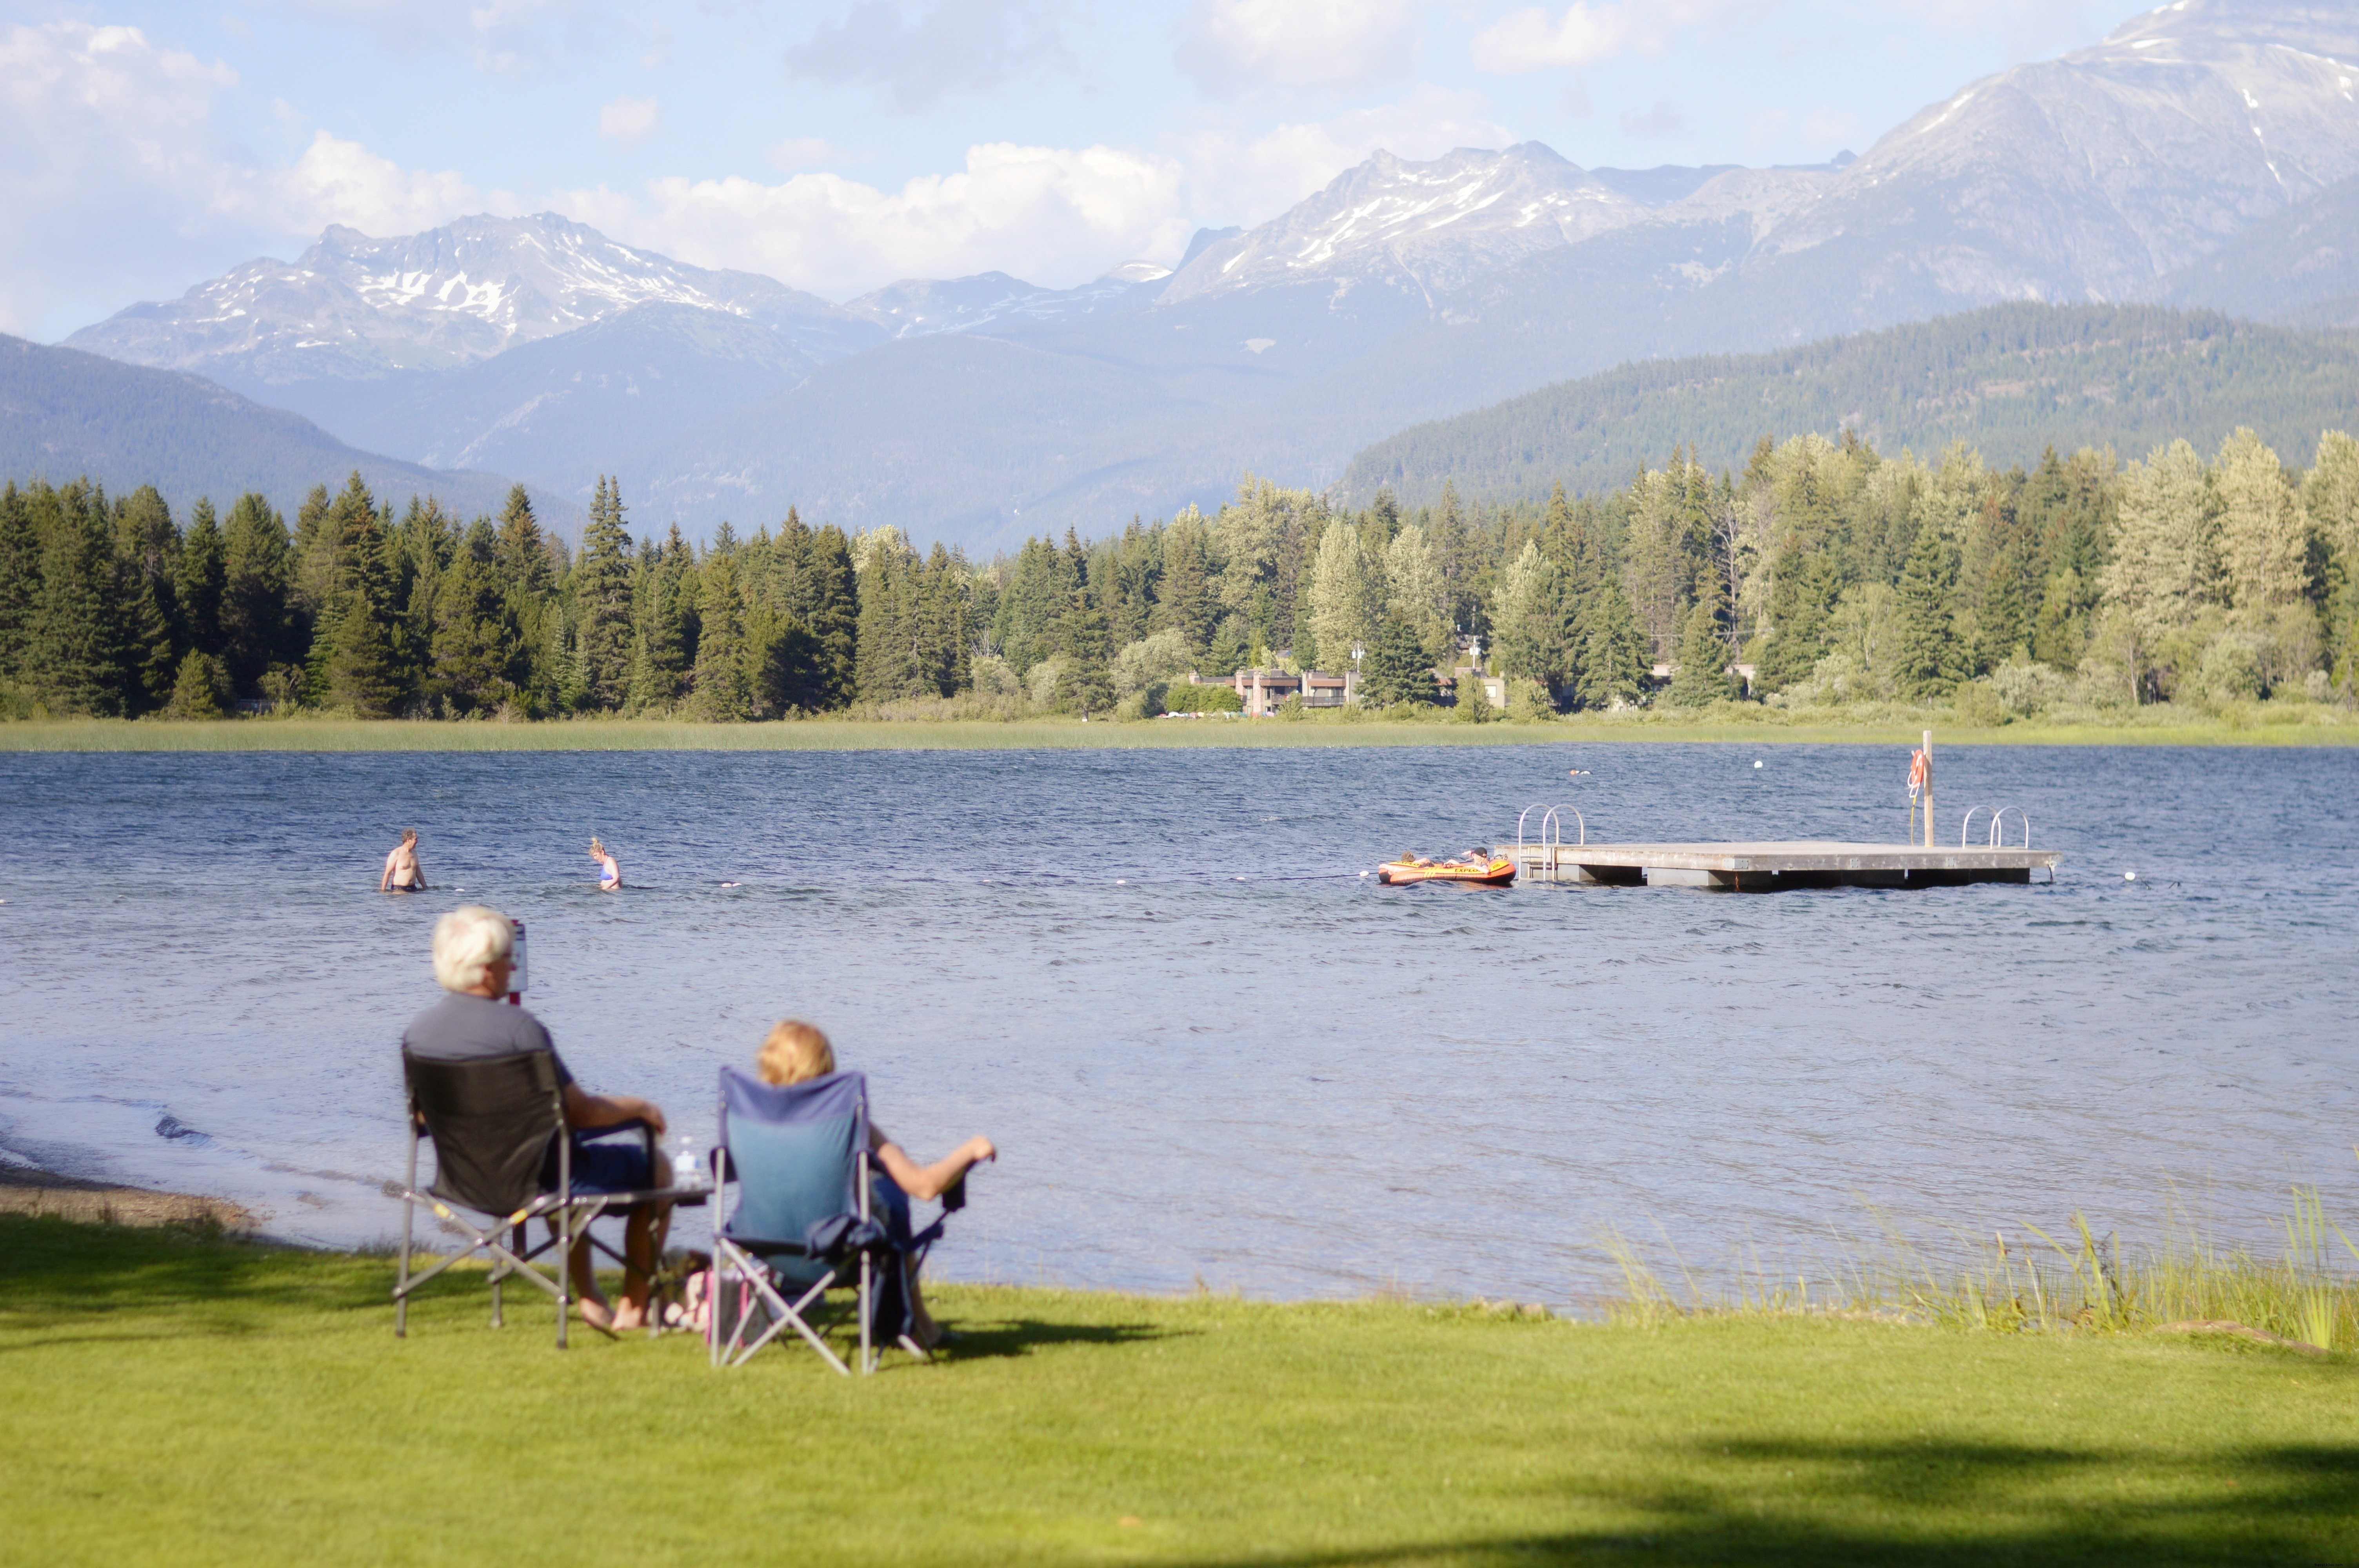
{"x": 1767, "y": 868}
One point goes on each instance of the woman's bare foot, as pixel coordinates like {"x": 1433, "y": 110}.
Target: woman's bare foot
{"x": 596, "y": 1312}
{"x": 628, "y": 1317}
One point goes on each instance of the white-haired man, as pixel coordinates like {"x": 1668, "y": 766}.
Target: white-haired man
{"x": 475, "y": 954}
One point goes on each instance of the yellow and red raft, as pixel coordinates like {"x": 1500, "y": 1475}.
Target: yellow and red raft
{"x": 1496, "y": 871}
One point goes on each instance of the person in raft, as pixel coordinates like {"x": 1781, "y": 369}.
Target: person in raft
{"x": 794, "y": 1053}
{"x": 610, "y": 870}
{"x": 474, "y": 950}
{"x": 402, "y": 872}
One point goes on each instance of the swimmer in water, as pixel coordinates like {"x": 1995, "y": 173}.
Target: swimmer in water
{"x": 402, "y": 872}
{"x": 610, "y": 874}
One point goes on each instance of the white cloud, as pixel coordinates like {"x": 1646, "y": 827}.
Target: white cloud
{"x": 108, "y": 161}
{"x": 343, "y": 182}
{"x": 922, "y": 52}
{"x": 503, "y": 36}
{"x": 1531, "y": 39}
{"x": 627, "y": 122}
{"x": 123, "y": 188}
{"x": 1230, "y": 45}
{"x": 1235, "y": 181}
{"x": 1051, "y": 215}
{"x": 1663, "y": 120}
{"x": 796, "y": 154}
{"x": 1527, "y": 40}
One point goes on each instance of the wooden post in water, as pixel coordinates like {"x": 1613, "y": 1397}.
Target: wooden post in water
{"x": 1929, "y": 789}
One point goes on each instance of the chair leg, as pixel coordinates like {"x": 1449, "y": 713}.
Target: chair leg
{"x": 868, "y": 1298}
{"x": 409, "y": 1213}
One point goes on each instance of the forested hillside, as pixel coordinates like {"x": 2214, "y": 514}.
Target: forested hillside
{"x": 66, "y": 413}
{"x": 1840, "y": 574}
{"x": 2009, "y": 381}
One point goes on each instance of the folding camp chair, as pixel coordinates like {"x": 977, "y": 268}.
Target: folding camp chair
{"x": 798, "y": 1154}
{"x": 494, "y": 1122}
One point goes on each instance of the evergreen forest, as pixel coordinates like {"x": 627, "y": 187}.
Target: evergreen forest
{"x": 1822, "y": 573}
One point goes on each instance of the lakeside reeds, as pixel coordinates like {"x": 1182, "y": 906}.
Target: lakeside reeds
{"x": 2043, "y": 1282}
{"x": 917, "y": 728}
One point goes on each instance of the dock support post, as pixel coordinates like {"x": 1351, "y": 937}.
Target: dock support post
{"x": 1929, "y": 789}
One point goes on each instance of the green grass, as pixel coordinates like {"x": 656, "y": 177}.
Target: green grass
{"x": 2269, "y": 724}
{"x": 174, "y": 1400}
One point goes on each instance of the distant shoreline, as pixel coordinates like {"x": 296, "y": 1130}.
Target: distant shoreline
{"x": 2305, "y": 725}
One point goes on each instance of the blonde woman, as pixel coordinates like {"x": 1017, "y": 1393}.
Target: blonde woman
{"x": 610, "y": 870}
{"x": 793, "y": 1053}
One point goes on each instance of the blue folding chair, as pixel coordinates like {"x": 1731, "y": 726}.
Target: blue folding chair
{"x": 798, "y": 1154}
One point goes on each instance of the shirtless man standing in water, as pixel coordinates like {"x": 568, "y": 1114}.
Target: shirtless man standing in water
{"x": 402, "y": 872}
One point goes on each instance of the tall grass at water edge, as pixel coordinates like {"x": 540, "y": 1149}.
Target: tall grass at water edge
{"x": 2041, "y": 1283}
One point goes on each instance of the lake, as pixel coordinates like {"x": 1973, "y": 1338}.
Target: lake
{"x": 1210, "y": 1048}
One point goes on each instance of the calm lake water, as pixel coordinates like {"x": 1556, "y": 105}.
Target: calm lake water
{"x": 1208, "y": 1047}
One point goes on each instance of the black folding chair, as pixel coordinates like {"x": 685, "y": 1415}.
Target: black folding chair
{"x": 494, "y": 1122}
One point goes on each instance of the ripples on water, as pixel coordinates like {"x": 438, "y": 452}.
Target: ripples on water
{"x": 1296, "y": 1083}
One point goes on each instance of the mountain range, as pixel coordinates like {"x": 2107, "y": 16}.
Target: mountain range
{"x": 2204, "y": 155}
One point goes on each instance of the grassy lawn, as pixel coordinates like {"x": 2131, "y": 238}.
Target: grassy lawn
{"x": 170, "y": 1400}
{"x": 2288, "y": 724}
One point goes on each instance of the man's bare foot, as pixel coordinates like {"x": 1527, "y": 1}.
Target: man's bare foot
{"x": 595, "y": 1312}
{"x": 628, "y": 1317}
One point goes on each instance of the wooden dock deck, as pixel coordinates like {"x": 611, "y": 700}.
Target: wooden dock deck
{"x": 1767, "y": 867}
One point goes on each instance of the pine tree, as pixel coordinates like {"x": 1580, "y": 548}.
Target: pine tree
{"x": 199, "y": 582}
{"x": 1396, "y": 669}
{"x": 20, "y": 581}
{"x": 831, "y": 613}
{"x": 1187, "y": 602}
{"x": 1700, "y": 674}
{"x": 146, "y": 556}
{"x": 940, "y": 631}
{"x": 602, "y": 600}
{"x": 1801, "y": 614}
{"x": 357, "y": 660}
{"x": 888, "y": 658}
{"x": 1085, "y": 684}
{"x": 477, "y": 646}
{"x": 722, "y": 694}
{"x": 1612, "y": 650}
{"x": 199, "y": 688}
{"x": 76, "y": 658}
{"x": 1528, "y": 619}
{"x": 1928, "y": 660}
{"x": 665, "y": 624}
{"x": 259, "y": 627}
{"x": 311, "y": 567}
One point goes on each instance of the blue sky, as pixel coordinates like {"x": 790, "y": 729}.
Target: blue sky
{"x": 839, "y": 145}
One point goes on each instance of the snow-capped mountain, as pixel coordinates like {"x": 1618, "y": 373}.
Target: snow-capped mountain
{"x": 981, "y": 407}
{"x": 914, "y": 308}
{"x": 355, "y": 305}
{"x": 2092, "y": 175}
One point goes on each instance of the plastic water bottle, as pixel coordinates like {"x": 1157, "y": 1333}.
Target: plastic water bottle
{"x": 685, "y": 1171}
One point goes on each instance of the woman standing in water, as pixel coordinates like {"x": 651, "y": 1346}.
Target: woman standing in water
{"x": 402, "y": 872}
{"x": 610, "y": 873}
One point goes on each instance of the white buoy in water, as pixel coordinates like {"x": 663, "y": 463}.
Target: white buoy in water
{"x": 1756, "y": 761}
{"x": 1122, "y": 882}
{"x": 2130, "y": 876}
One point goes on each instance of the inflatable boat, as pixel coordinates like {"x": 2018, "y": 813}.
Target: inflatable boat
{"x": 1492, "y": 871}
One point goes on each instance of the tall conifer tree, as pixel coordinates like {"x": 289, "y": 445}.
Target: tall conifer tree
{"x": 602, "y": 603}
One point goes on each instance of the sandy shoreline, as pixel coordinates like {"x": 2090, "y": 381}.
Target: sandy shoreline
{"x": 27, "y": 1191}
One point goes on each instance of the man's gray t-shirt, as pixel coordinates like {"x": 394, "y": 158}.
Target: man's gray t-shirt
{"x": 469, "y": 1028}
